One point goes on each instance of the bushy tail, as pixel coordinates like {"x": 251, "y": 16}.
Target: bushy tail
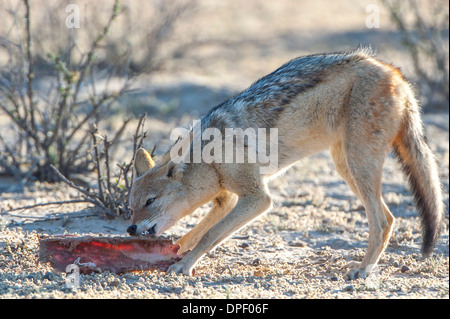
{"x": 420, "y": 167}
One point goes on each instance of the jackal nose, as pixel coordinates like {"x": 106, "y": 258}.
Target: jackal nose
{"x": 132, "y": 230}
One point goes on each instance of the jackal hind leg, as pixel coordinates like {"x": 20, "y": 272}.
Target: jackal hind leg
{"x": 223, "y": 203}
{"x": 362, "y": 171}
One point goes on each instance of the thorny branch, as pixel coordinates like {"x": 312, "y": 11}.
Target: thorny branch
{"x": 48, "y": 128}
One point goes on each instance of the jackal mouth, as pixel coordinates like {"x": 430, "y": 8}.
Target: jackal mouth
{"x": 151, "y": 231}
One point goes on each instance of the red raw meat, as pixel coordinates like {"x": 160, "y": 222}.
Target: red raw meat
{"x": 113, "y": 254}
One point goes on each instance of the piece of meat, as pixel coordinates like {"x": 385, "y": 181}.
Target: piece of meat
{"x": 113, "y": 254}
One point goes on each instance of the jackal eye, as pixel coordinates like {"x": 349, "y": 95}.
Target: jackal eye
{"x": 149, "y": 201}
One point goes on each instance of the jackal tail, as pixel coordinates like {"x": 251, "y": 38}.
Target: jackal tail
{"x": 420, "y": 167}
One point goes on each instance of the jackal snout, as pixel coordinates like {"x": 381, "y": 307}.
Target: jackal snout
{"x": 132, "y": 230}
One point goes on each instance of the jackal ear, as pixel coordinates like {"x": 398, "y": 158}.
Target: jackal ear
{"x": 143, "y": 162}
{"x": 175, "y": 170}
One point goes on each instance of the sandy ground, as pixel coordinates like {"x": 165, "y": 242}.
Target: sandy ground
{"x": 317, "y": 226}
{"x": 298, "y": 250}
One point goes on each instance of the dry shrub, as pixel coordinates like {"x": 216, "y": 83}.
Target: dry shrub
{"x": 424, "y": 28}
{"x": 52, "y": 127}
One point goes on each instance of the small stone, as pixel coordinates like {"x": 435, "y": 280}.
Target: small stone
{"x": 405, "y": 269}
{"x": 334, "y": 278}
{"x": 349, "y": 288}
{"x": 48, "y": 276}
{"x": 245, "y": 245}
{"x": 297, "y": 243}
{"x": 256, "y": 262}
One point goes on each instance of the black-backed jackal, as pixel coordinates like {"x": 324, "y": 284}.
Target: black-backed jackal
{"x": 349, "y": 102}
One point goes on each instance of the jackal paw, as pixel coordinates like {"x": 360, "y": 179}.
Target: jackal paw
{"x": 355, "y": 272}
{"x": 181, "y": 268}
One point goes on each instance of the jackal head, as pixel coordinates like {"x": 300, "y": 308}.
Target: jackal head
{"x": 158, "y": 198}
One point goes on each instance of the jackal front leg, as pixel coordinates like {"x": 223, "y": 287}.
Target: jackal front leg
{"x": 222, "y": 205}
{"x": 247, "y": 208}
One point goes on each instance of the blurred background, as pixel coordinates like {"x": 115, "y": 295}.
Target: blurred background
{"x": 104, "y": 61}
{"x": 214, "y": 48}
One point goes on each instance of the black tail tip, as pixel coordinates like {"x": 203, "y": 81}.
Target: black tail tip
{"x": 427, "y": 251}
{"x": 430, "y": 239}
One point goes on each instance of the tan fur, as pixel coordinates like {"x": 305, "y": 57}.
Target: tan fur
{"x": 354, "y": 105}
